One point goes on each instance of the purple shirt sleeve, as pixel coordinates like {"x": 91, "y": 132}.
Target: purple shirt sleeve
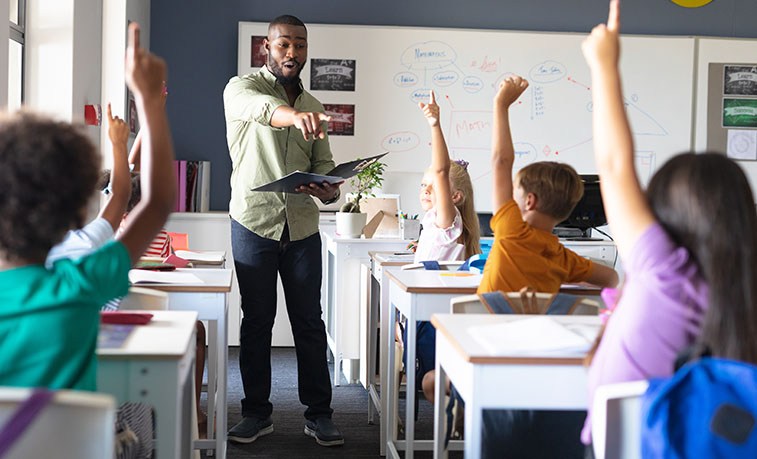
{"x": 659, "y": 313}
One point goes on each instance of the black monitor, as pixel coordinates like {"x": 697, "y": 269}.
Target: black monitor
{"x": 588, "y": 213}
{"x": 484, "y": 218}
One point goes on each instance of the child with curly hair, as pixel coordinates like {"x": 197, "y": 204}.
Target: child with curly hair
{"x": 49, "y": 317}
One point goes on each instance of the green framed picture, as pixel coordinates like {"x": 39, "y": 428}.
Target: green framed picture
{"x": 740, "y": 113}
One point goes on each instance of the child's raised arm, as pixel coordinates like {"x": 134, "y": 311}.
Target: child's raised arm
{"x": 627, "y": 210}
{"x": 503, "y": 153}
{"x": 445, "y": 207}
{"x": 144, "y": 75}
{"x": 120, "y": 178}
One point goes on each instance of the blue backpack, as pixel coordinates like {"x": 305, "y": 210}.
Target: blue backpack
{"x": 706, "y": 409}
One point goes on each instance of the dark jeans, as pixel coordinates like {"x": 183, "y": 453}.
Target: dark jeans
{"x": 533, "y": 434}
{"x": 257, "y": 261}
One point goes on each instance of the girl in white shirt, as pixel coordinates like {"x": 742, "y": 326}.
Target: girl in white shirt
{"x": 450, "y": 226}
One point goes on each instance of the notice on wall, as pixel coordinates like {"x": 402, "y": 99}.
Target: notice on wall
{"x": 740, "y": 80}
{"x": 742, "y": 144}
{"x": 342, "y": 119}
{"x": 258, "y": 55}
{"x": 740, "y": 113}
{"x": 332, "y": 75}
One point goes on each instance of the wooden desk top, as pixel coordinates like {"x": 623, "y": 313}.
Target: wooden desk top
{"x": 214, "y": 280}
{"x": 455, "y": 329}
{"x": 166, "y": 337}
{"x": 359, "y": 240}
{"x": 422, "y": 281}
{"x": 392, "y": 258}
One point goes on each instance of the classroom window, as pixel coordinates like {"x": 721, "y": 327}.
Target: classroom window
{"x": 16, "y": 54}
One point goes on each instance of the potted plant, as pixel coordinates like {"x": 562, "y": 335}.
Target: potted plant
{"x": 349, "y": 220}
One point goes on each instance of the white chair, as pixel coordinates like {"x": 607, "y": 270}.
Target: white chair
{"x": 76, "y": 424}
{"x": 616, "y": 420}
{"x": 471, "y": 304}
{"x": 144, "y": 299}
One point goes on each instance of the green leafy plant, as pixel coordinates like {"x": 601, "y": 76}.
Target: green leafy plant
{"x": 362, "y": 184}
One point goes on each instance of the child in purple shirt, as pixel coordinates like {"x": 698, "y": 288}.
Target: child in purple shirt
{"x": 689, "y": 244}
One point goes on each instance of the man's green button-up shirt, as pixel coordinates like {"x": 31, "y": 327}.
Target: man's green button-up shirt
{"x": 261, "y": 153}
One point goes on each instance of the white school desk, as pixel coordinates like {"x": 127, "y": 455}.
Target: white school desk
{"x": 379, "y": 311}
{"x": 341, "y": 311}
{"x": 210, "y": 300}
{"x": 155, "y": 366}
{"x": 417, "y": 294}
{"x": 486, "y": 381}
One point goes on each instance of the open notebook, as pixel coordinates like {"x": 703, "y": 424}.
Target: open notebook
{"x": 535, "y": 336}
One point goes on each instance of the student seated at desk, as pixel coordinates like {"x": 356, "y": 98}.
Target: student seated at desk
{"x": 526, "y": 253}
{"x": 48, "y": 170}
{"x": 689, "y": 245}
{"x": 450, "y": 226}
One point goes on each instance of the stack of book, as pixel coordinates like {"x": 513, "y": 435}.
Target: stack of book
{"x": 193, "y": 182}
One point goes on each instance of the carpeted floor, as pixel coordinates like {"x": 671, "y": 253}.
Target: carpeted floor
{"x": 350, "y": 403}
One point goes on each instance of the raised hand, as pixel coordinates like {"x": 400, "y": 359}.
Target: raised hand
{"x": 118, "y": 130}
{"x": 430, "y": 110}
{"x": 145, "y": 72}
{"x": 310, "y": 124}
{"x": 509, "y": 91}
{"x": 602, "y": 46}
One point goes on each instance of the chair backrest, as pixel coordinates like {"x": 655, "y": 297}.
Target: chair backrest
{"x": 75, "y": 424}
{"x": 616, "y": 420}
{"x": 471, "y": 304}
{"x": 144, "y": 299}
{"x": 443, "y": 266}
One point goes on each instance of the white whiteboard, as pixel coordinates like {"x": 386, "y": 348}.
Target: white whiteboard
{"x": 397, "y": 66}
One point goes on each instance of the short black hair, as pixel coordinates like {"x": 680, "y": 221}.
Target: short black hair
{"x": 48, "y": 172}
{"x": 288, "y": 20}
{"x": 136, "y": 191}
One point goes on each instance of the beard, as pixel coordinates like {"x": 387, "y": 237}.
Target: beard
{"x": 278, "y": 72}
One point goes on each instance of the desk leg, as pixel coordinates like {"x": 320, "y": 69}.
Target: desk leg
{"x": 387, "y": 339}
{"x": 473, "y": 428}
{"x": 390, "y": 389}
{"x": 440, "y": 390}
{"x": 222, "y": 335}
{"x": 212, "y": 358}
{"x": 410, "y": 388}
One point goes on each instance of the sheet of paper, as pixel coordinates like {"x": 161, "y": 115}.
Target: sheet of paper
{"x": 742, "y": 144}
{"x": 201, "y": 256}
{"x": 460, "y": 279}
{"x": 141, "y": 276}
{"x": 534, "y": 336}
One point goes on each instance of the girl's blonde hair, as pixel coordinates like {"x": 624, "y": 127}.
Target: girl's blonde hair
{"x": 460, "y": 180}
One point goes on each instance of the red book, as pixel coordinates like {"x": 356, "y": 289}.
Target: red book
{"x": 125, "y": 318}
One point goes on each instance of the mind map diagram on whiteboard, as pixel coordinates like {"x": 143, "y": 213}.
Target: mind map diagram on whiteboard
{"x": 433, "y": 65}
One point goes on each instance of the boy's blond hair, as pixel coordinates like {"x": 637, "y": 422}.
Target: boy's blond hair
{"x": 557, "y": 186}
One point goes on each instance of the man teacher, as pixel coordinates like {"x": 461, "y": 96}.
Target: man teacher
{"x": 275, "y": 127}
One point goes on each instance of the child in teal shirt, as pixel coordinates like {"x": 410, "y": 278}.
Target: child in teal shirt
{"x": 48, "y": 171}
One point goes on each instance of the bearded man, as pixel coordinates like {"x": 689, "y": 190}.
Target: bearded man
{"x": 275, "y": 127}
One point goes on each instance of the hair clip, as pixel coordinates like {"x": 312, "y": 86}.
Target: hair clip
{"x": 463, "y": 163}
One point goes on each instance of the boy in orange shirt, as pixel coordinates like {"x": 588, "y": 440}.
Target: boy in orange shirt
{"x": 525, "y": 252}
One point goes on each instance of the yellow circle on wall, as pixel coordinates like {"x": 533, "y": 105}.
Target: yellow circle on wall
{"x": 691, "y": 3}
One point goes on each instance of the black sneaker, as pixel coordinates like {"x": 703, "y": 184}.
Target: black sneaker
{"x": 324, "y": 431}
{"x": 250, "y": 428}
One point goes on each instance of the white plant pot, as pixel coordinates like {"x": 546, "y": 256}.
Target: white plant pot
{"x": 349, "y": 224}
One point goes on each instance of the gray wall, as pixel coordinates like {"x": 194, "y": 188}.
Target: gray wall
{"x": 198, "y": 39}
